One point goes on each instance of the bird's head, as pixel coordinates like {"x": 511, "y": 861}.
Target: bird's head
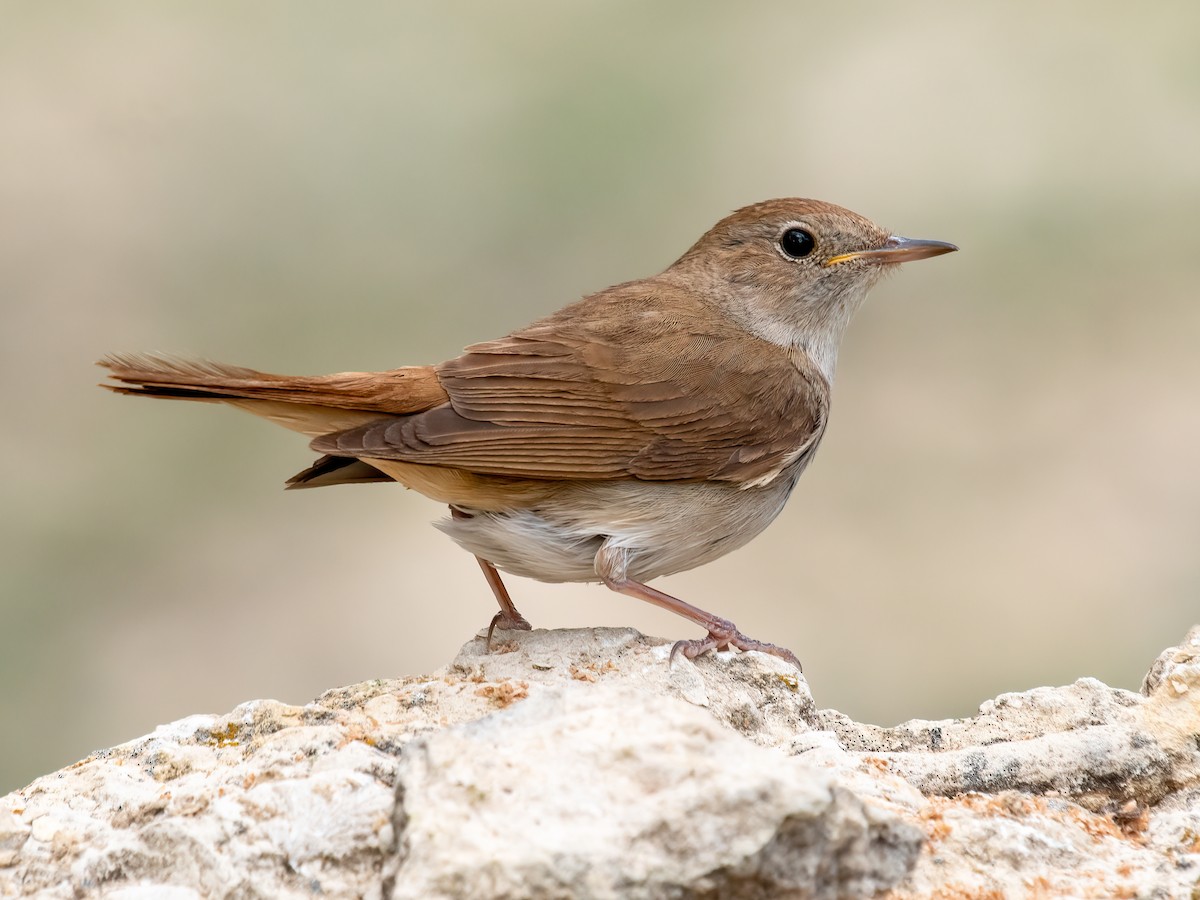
{"x": 793, "y": 271}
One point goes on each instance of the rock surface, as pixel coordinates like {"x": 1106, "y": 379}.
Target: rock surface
{"x": 579, "y": 764}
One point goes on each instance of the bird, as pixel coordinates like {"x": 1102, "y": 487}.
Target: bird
{"x": 641, "y": 431}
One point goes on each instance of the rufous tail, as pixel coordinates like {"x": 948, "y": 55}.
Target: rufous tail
{"x": 313, "y": 405}
{"x": 395, "y": 392}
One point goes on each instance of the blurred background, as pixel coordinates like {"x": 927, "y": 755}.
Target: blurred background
{"x": 1008, "y": 494}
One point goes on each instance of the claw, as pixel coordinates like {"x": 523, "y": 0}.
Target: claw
{"x": 744, "y": 643}
{"x": 721, "y": 637}
{"x": 692, "y": 649}
{"x": 500, "y": 620}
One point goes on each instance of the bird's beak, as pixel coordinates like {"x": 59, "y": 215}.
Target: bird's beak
{"x": 897, "y": 250}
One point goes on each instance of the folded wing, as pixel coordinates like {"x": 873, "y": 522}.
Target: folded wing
{"x": 683, "y": 396}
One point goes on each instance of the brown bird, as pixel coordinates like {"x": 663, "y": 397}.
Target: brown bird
{"x": 642, "y": 431}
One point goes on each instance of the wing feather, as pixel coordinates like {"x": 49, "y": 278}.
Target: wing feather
{"x": 584, "y": 394}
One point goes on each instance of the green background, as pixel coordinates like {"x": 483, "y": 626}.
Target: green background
{"x": 1008, "y": 495}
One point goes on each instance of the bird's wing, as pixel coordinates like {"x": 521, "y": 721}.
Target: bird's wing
{"x": 616, "y": 386}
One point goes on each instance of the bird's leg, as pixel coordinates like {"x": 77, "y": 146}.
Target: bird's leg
{"x": 611, "y": 565}
{"x": 509, "y": 618}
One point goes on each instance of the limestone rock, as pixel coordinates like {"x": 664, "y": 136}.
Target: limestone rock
{"x": 1100, "y": 746}
{"x": 579, "y": 764}
{"x": 590, "y": 792}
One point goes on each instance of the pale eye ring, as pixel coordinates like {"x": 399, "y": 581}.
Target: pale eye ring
{"x": 797, "y": 243}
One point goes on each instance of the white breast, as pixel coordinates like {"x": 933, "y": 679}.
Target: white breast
{"x": 666, "y": 528}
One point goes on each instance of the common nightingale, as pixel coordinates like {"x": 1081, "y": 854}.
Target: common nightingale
{"x": 643, "y": 430}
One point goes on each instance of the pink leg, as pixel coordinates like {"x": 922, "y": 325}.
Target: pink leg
{"x": 610, "y": 565}
{"x": 508, "y": 618}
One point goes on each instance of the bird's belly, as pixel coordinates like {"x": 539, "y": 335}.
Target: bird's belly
{"x": 667, "y": 528}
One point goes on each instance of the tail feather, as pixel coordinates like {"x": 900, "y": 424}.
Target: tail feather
{"x": 395, "y": 392}
{"x": 330, "y": 470}
{"x": 154, "y": 375}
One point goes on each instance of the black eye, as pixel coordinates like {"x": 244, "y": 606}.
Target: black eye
{"x": 796, "y": 242}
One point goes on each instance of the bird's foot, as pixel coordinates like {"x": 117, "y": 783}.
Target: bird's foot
{"x": 505, "y": 622}
{"x": 723, "y": 634}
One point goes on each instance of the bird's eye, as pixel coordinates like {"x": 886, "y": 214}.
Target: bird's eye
{"x": 796, "y": 243}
